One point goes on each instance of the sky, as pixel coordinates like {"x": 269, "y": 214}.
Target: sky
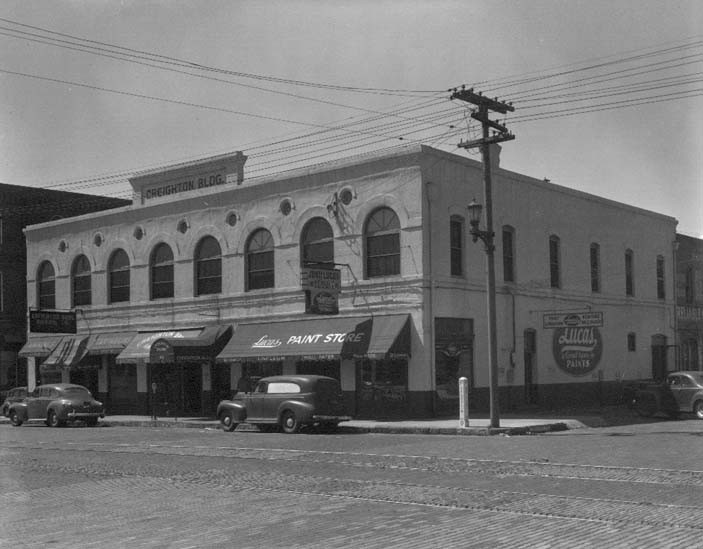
{"x": 608, "y": 95}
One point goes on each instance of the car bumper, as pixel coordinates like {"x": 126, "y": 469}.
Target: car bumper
{"x": 82, "y": 415}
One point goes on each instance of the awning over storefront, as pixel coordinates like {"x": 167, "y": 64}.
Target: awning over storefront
{"x": 339, "y": 337}
{"x": 112, "y": 343}
{"x": 176, "y": 345}
{"x": 39, "y": 346}
{"x": 69, "y": 352}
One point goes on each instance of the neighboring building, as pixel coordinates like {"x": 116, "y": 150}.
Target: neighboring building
{"x": 689, "y": 302}
{"x": 21, "y": 206}
{"x": 200, "y": 283}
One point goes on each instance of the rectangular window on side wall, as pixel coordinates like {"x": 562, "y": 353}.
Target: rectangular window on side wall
{"x": 508, "y": 254}
{"x": 661, "y": 287}
{"x": 456, "y": 246}
{"x": 554, "y": 262}
{"x": 595, "y": 268}
{"x": 629, "y": 273}
{"x": 631, "y": 342}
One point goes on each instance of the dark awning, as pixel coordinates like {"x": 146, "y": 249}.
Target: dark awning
{"x": 176, "y": 345}
{"x": 112, "y": 343}
{"x": 338, "y": 337}
{"x": 69, "y": 352}
{"x": 39, "y": 346}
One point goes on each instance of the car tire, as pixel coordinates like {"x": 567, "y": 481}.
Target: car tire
{"x": 15, "y": 418}
{"x": 289, "y": 423}
{"x": 228, "y": 421}
{"x": 698, "y": 409}
{"x": 53, "y": 420}
{"x": 91, "y": 422}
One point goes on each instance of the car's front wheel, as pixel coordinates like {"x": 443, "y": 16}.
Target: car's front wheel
{"x": 698, "y": 409}
{"x": 15, "y": 418}
{"x": 53, "y": 420}
{"x": 289, "y": 423}
{"x": 228, "y": 421}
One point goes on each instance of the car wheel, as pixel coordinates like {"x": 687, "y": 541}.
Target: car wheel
{"x": 91, "y": 421}
{"x": 289, "y": 423}
{"x": 15, "y": 419}
{"x": 53, "y": 420}
{"x": 698, "y": 409}
{"x": 228, "y": 422}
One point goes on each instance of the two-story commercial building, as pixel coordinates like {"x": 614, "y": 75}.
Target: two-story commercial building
{"x": 362, "y": 269}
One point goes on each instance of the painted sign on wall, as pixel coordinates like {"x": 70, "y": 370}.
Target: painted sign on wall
{"x": 577, "y": 350}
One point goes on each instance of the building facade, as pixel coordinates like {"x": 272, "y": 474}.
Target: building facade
{"x": 21, "y": 206}
{"x": 362, "y": 269}
{"x": 689, "y": 302}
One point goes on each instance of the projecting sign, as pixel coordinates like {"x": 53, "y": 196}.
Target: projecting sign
{"x": 571, "y": 320}
{"x": 52, "y": 322}
{"x": 322, "y": 288}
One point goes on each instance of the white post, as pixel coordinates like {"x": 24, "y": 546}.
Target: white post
{"x": 463, "y": 402}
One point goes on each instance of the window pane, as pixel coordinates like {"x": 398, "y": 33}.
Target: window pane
{"x": 595, "y": 268}
{"x": 456, "y": 247}
{"x": 81, "y": 281}
{"x": 119, "y": 277}
{"x": 554, "y": 269}
{"x": 508, "y": 255}
{"x": 260, "y": 261}
{"x": 208, "y": 267}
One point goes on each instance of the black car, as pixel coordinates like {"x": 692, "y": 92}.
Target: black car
{"x": 288, "y": 402}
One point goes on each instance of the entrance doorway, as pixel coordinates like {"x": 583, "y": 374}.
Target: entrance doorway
{"x": 179, "y": 389}
{"x": 530, "y": 360}
{"x": 659, "y": 365}
{"x": 382, "y": 387}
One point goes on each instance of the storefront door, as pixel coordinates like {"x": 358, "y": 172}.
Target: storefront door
{"x": 122, "y": 389}
{"x": 382, "y": 387}
{"x": 178, "y": 389}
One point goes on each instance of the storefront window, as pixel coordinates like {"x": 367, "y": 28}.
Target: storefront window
{"x": 329, "y": 368}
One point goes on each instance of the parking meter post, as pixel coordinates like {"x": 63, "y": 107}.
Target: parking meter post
{"x": 463, "y": 402}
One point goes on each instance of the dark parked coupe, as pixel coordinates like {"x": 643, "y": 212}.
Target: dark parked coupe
{"x": 290, "y": 402}
{"x": 57, "y": 404}
{"x": 681, "y": 392}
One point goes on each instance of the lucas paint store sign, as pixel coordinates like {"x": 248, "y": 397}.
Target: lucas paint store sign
{"x": 577, "y": 350}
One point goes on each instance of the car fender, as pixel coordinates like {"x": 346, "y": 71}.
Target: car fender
{"x": 303, "y": 410}
{"x": 240, "y": 411}
{"x": 20, "y": 408}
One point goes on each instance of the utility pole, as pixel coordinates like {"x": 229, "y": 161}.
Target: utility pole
{"x": 501, "y": 133}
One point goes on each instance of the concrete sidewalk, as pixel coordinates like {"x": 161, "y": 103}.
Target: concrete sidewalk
{"x": 479, "y": 426}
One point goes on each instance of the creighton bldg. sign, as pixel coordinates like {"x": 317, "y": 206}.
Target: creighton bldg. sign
{"x": 221, "y": 170}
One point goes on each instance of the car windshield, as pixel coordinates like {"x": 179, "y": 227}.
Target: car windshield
{"x": 77, "y": 392}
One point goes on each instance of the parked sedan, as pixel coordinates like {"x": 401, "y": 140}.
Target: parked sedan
{"x": 681, "y": 392}
{"x": 12, "y": 396}
{"x": 56, "y": 404}
{"x": 290, "y": 402}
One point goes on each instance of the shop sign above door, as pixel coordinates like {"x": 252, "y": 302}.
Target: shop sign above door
{"x": 52, "y": 322}
{"x": 573, "y": 319}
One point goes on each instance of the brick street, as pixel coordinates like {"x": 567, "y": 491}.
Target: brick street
{"x": 118, "y": 486}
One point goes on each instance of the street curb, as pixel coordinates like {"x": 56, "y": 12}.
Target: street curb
{"x": 348, "y": 429}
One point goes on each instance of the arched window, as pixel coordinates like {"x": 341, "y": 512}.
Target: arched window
{"x": 161, "y": 266}
{"x": 317, "y": 242}
{"x": 81, "y": 281}
{"x": 382, "y": 239}
{"x": 46, "y": 286}
{"x": 259, "y": 257}
{"x": 208, "y": 267}
{"x": 118, "y": 276}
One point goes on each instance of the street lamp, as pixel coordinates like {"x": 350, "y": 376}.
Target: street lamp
{"x": 486, "y": 236}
